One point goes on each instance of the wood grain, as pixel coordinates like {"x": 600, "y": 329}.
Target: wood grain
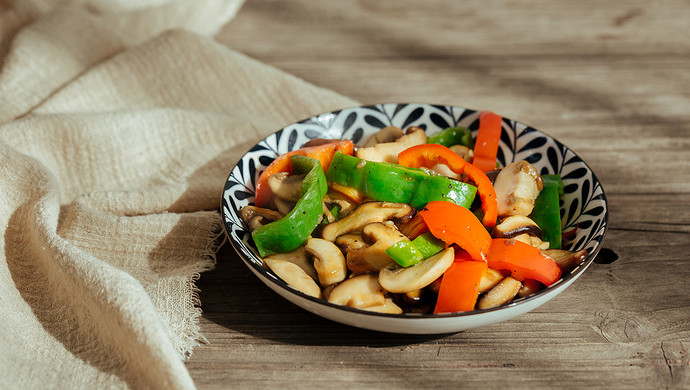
{"x": 608, "y": 79}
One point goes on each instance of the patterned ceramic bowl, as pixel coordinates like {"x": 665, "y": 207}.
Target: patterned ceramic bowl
{"x": 583, "y": 205}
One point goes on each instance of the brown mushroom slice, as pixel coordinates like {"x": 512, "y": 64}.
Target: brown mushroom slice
{"x": 286, "y": 186}
{"x": 348, "y": 242}
{"x": 361, "y": 291}
{"x": 538, "y": 243}
{"x": 529, "y": 287}
{"x": 294, "y": 276}
{"x": 515, "y": 225}
{"x": 364, "y": 214}
{"x": 337, "y": 198}
{"x": 397, "y": 279}
{"x": 389, "y": 307}
{"x": 385, "y": 135}
{"x": 463, "y": 151}
{"x": 373, "y": 257}
{"x": 565, "y": 259}
{"x": 501, "y": 293}
{"x": 283, "y": 206}
{"x": 388, "y": 152}
{"x": 255, "y": 217}
{"x": 517, "y": 187}
{"x": 299, "y": 257}
{"x": 329, "y": 261}
{"x": 489, "y": 280}
{"x": 320, "y": 141}
{"x": 443, "y": 169}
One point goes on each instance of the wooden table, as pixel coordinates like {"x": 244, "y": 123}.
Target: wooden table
{"x": 609, "y": 79}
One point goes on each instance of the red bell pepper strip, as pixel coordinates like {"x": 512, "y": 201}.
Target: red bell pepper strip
{"x": 488, "y": 137}
{"x": 429, "y": 155}
{"x": 457, "y": 225}
{"x": 324, "y": 153}
{"x": 460, "y": 284}
{"x": 522, "y": 260}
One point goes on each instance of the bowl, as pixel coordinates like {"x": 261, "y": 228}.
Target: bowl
{"x": 583, "y": 205}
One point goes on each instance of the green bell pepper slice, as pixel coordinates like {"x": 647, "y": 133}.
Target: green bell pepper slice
{"x": 547, "y": 210}
{"x": 405, "y": 253}
{"x": 293, "y": 230}
{"x": 452, "y": 136}
{"x": 428, "y": 244}
{"x": 408, "y": 253}
{"x": 394, "y": 183}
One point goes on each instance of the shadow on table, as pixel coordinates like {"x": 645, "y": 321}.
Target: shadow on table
{"x": 234, "y": 298}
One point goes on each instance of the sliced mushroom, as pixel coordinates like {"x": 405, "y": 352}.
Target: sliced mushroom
{"x": 255, "y": 217}
{"x": 319, "y": 141}
{"x": 515, "y": 225}
{"x": 412, "y": 297}
{"x": 286, "y": 186}
{"x": 329, "y": 261}
{"x": 490, "y": 279}
{"x": 517, "y": 186}
{"x": 300, "y": 257}
{"x": 388, "y": 151}
{"x": 442, "y": 169}
{"x": 565, "y": 259}
{"x": 501, "y": 293}
{"x": 361, "y": 291}
{"x": 463, "y": 151}
{"x": 387, "y": 134}
{"x": 373, "y": 257}
{"x": 327, "y": 214}
{"x": 397, "y": 279}
{"x": 413, "y": 227}
{"x": 363, "y": 215}
{"x": 346, "y": 204}
{"x": 435, "y": 286}
{"x": 388, "y": 307}
{"x": 349, "y": 242}
{"x": 294, "y": 276}
{"x": 283, "y": 206}
{"x": 529, "y": 287}
{"x": 326, "y": 291}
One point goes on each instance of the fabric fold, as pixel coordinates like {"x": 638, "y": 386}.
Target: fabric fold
{"x": 119, "y": 123}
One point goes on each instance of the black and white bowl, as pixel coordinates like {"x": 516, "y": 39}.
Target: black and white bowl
{"x": 583, "y": 206}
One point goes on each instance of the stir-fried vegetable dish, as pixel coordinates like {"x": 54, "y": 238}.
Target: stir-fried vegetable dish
{"x": 410, "y": 222}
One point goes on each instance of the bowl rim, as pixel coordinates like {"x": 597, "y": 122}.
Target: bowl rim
{"x": 563, "y": 281}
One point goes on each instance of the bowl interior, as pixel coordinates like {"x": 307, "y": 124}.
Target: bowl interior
{"x": 583, "y": 206}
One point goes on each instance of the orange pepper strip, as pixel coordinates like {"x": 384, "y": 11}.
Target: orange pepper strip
{"x": 429, "y": 155}
{"x": 488, "y": 138}
{"x": 523, "y": 261}
{"x": 324, "y": 153}
{"x": 457, "y": 225}
{"x": 460, "y": 284}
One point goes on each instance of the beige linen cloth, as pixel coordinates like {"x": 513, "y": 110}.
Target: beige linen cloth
{"x": 119, "y": 122}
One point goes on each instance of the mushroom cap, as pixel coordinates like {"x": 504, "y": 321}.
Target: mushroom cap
{"x": 294, "y": 275}
{"x": 397, "y": 279}
{"x": 329, "y": 261}
{"x": 364, "y": 214}
{"x": 374, "y": 257}
{"x": 515, "y": 225}
{"x": 286, "y": 186}
{"x": 361, "y": 291}
{"x": 517, "y": 187}
{"x": 388, "y": 151}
